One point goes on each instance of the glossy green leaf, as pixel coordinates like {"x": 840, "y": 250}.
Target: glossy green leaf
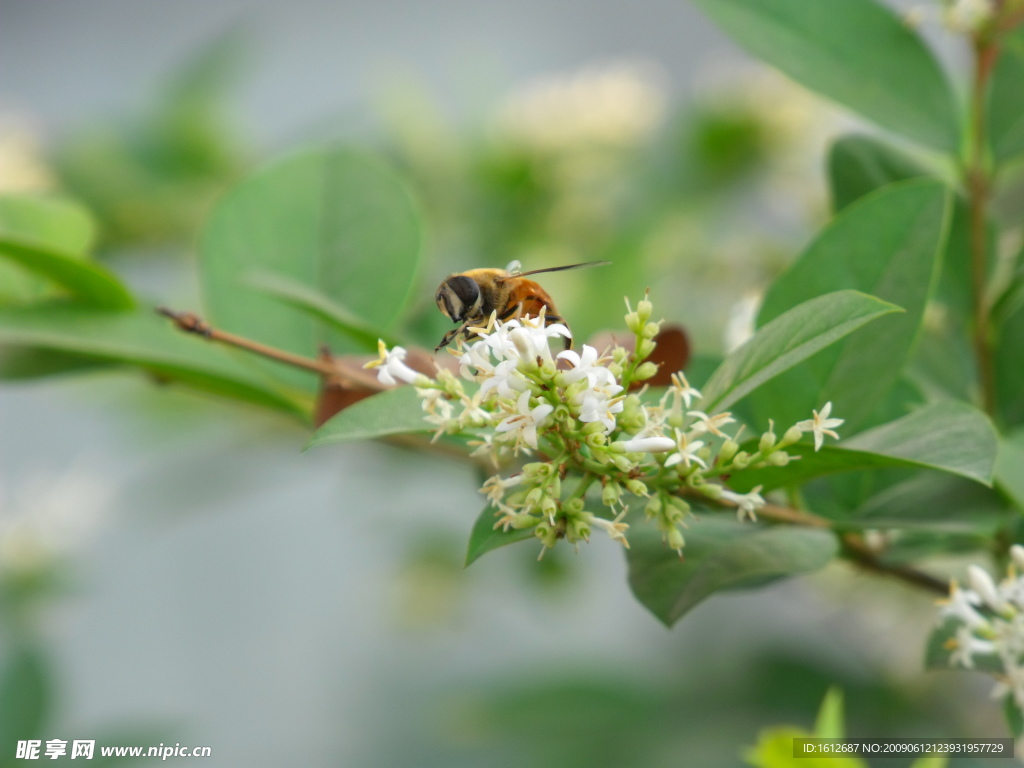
{"x": 334, "y": 221}
{"x": 394, "y": 411}
{"x": 719, "y": 554}
{"x": 1006, "y": 100}
{"x": 893, "y": 79}
{"x": 887, "y": 245}
{"x": 18, "y": 363}
{"x": 1009, "y": 472}
{"x": 486, "y": 538}
{"x": 320, "y": 306}
{"x": 774, "y": 749}
{"x": 859, "y": 164}
{"x": 787, "y": 341}
{"x": 949, "y": 436}
{"x": 144, "y": 340}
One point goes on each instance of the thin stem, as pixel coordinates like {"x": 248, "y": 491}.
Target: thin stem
{"x": 978, "y": 183}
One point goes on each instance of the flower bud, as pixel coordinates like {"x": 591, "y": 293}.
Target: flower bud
{"x": 621, "y": 462}
{"x": 610, "y": 493}
{"x": 741, "y": 460}
{"x": 982, "y": 583}
{"x": 792, "y": 436}
{"x": 728, "y": 450}
{"x": 636, "y": 487}
{"x": 710, "y": 490}
{"x": 574, "y": 506}
{"x": 547, "y": 535}
{"x": 644, "y": 308}
{"x": 778, "y": 459}
{"x": 650, "y": 331}
{"x": 674, "y": 539}
{"x": 597, "y": 439}
{"x": 767, "y": 442}
{"x": 653, "y": 508}
{"x": 634, "y": 323}
{"x": 645, "y": 348}
{"x": 645, "y": 371}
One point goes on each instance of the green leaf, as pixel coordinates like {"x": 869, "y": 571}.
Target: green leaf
{"x": 17, "y": 363}
{"x": 486, "y": 538}
{"x": 394, "y": 411}
{"x": 144, "y": 340}
{"x": 719, "y": 554}
{"x": 949, "y": 436}
{"x": 774, "y": 749}
{"x": 334, "y": 221}
{"x": 930, "y": 761}
{"x": 25, "y": 693}
{"x": 47, "y": 223}
{"x": 1014, "y": 716}
{"x": 88, "y": 281}
{"x": 322, "y": 307}
{"x": 894, "y": 81}
{"x": 886, "y": 245}
{"x": 788, "y": 340}
{"x": 829, "y": 723}
{"x": 50, "y": 238}
{"x": 1008, "y": 353}
{"x": 1009, "y": 472}
{"x": 1006, "y": 100}
{"x": 858, "y": 165}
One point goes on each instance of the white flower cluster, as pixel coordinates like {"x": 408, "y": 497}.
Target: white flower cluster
{"x": 990, "y": 621}
{"x": 575, "y": 413}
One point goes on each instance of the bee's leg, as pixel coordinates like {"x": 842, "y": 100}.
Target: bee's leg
{"x": 451, "y": 336}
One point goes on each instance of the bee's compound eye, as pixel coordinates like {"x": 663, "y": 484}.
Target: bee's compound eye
{"x": 457, "y": 295}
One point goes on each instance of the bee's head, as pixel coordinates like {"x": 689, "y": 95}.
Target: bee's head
{"x": 458, "y": 297}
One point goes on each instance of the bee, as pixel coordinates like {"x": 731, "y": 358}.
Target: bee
{"x": 469, "y": 298}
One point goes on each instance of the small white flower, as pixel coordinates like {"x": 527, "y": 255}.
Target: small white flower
{"x": 747, "y": 504}
{"x": 966, "y": 646}
{"x": 710, "y": 424}
{"x": 494, "y": 488}
{"x": 616, "y": 529}
{"x": 820, "y": 425}
{"x": 982, "y": 583}
{"x": 646, "y": 445}
{"x": 523, "y": 424}
{"x": 687, "y": 452}
{"x": 960, "y": 605}
{"x": 587, "y": 365}
{"x": 392, "y": 367}
{"x": 600, "y": 404}
{"x": 681, "y": 389}
{"x": 505, "y": 379}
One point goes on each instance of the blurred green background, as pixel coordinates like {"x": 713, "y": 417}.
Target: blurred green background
{"x": 173, "y": 569}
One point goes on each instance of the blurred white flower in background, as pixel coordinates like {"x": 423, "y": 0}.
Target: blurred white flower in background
{"x": 48, "y": 516}
{"x": 22, "y": 168}
{"x": 616, "y": 105}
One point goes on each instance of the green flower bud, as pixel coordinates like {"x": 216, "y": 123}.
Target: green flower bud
{"x": 547, "y": 535}
{"x": 674, "y": 539}
{"x": 634, "y": 323}
{"x": 644, "y": 308}
{"x": 779, "y": 459}
{"x": 741, "y": 460}
{"x": 728, "y": 450}
{"x": 651, "y": 330}
{"x": 621, "y": 462}
{"x": 710, "y": 490}
{"x": 653, "y": 508}
{"x": 610, "y": 493}
{"x": 574, "y": 506}
{"x": 577, "y": 529}
{"x": 645, "y": 371}
{"x": 793, "y": 435}
{"x": 645, "y": 348}
{"x": 548, "y": 507}
{"x": 636, "y": 487}
{"x": 767, "y": 443}
{"x": 596, "y": 439}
